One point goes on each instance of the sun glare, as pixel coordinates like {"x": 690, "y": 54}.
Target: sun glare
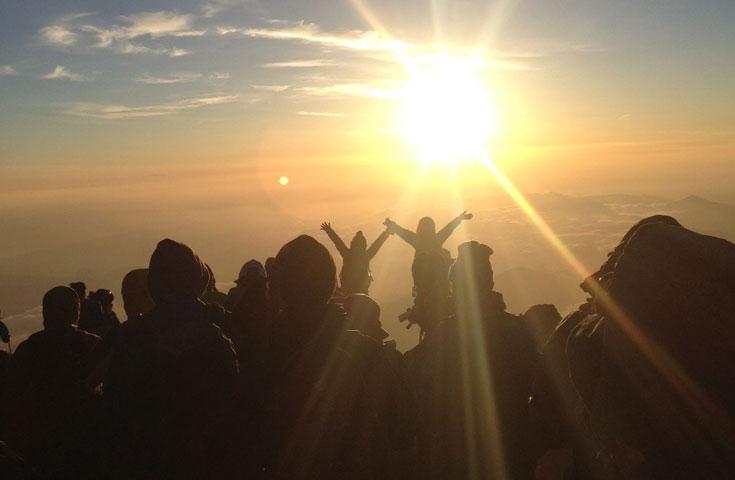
{"x": 447, "y": 112}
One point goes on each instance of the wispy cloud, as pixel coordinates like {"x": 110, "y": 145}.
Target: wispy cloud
{"x": 58, "y": 35}
{"x": 219, "y": 76}
{"x": 377, "y": 90}
{"x": 7, "y": 70}
{"x": 299, "y": 64}
{"x": 320, "y": 114}
{"x": 181, "y": 77}
{"x": 362, "y": 40}
{"x": 269, "y": 88}
{"x": 62, "y": 73}
{"x": 121, "y": 112}
{"x": 124, "y": 37}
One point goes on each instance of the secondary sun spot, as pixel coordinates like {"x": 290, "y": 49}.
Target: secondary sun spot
{"x": 446, "y": 110}
{"x": 283, "y": 180}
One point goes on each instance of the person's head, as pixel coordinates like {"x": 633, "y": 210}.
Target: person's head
{"x": 252, "y": 271}
{"x": 270, "y": 262}
{"x": 426, "y": 227}
{"x": 590, "y": 284}
{"x": 105, "y": 299}
{"x": 80, "y": 288}
{"x": 60, "y": 308}
{"x": 359, "y": 242}
{"x": 304, "y": 274}
{"x": 136, "y": 297}
{"x": 472, "y": 271}
{"x": 175, "y": 273}
{"x": 363, "y": 314}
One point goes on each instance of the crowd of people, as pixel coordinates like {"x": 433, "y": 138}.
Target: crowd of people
{"x": 289, "y": 375}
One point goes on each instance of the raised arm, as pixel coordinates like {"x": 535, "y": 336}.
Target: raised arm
{"x": 375, "y": 246}
{"x": 407, "y": 235}
{"x": 341, "y": 247}
{"x": 443, "y": 234}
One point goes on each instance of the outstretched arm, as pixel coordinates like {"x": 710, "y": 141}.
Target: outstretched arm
{"x": 407, "y": 235}
{"x": 341, "y": 247}
{"x": 443, "y": 234}
{"x": 373, "y": 249}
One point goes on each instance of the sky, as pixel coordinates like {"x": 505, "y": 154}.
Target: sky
{"x": 632, "y": 95}
{"x": 233, "y": 125}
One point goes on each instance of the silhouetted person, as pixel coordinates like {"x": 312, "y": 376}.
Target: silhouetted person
{"x": 430, "y": 270}
{"x": 363, "y": 314}
{"x": 98, "y": 316}
{"x": 476, "y": 382}
{"x": 251, "y": 272}
{"x": 251, "y": 315}
{"x": 336, "y": 407}
{"x": 171, "y": 377}
{"x": 212, "y": 294}
{"x": 654, "y": 365}
{"x": 81, "y": 289}
{"x": 135, "y": 293}
{"x": 49, "y": 403}
{"x": 426, "y": 238}
{"x": 355, "y": 274}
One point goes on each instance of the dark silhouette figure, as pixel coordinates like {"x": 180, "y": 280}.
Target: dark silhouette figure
{"x": 475, "y": 377}
{"x": 251, "y": 315}
{"x": 171, "y": 377}
{"x": 363, "y": 314}
{"x": 654, "y": 365}
{"x": 252, "y": 272}
{"x": 431, "y": 291}
{"x": 49, "y": 404}
{"x": 355, "y": 274}
{"x": 335, "y": 408}
{"x": 97, "y": 315}
{"x": 426, "y": 238}
{"x": 81, "y": 289}
{"x": 135, "y": 293}
{"x": 212, "y": 294}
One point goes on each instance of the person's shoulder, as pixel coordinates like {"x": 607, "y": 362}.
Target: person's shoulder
{"x": 84, "y": 337}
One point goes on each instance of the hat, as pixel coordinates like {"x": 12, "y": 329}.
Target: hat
{"x": 176, "y": 273}
{"x": 363, "y": 314}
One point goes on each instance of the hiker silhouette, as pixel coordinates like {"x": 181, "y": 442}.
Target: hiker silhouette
{"x": 426, "y": 238}
{"x": 355, "y": 274}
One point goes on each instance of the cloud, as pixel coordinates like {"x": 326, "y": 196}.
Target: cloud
{"x": 121, "y": 112}
{"x": 126, "y": 36}
{"x": 182, "y": 77}
{"x": 58, "y": 35}
{"x": 378, "y": 90}
{"x": 60, "y": 72}
{"x": 7, "y": 70}
{"x": 299, "y": 64}
{"x": 219, "y": 76}
{"x": 320, "y": 114}
{"x": 269, "y": 88}
{"x": 361, "y": 40}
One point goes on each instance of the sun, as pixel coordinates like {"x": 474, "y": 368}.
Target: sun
{"x": 446, "y": 110}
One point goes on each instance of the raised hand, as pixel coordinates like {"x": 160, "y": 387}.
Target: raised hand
{"x": 326, "y": 226}
{"x": 465, "y": 215}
